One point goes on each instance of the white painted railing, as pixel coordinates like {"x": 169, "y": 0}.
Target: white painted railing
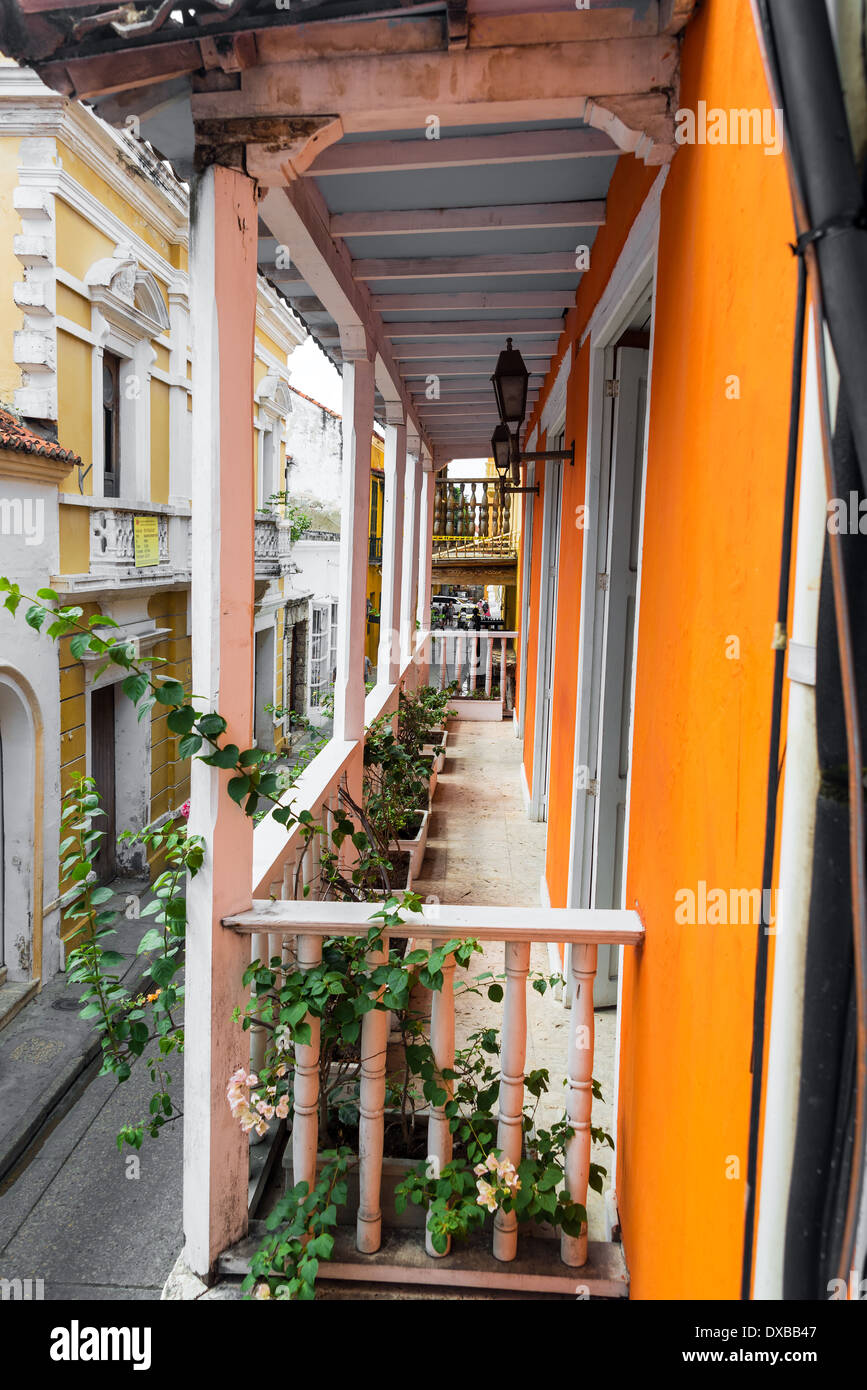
{"x": 305, "y": 924}
{"x": 466, "y": 656}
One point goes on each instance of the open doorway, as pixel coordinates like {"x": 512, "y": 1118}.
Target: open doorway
{"x": 104, "y": 772}
{"x": 603, "y": 741}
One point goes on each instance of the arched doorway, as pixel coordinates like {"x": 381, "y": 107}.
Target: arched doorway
{"x": 21, "y": 868}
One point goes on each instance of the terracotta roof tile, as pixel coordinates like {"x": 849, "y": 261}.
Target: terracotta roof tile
{"x": 14, "y": 435}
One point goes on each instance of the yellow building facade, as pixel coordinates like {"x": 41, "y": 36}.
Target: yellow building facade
{"x": 95, "y": 354}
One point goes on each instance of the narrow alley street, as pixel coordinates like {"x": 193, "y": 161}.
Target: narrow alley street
{"x": 90, "y": 1222}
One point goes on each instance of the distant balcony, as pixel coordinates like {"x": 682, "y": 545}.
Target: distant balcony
{"x": 272, "y": 546}
{"x": 374, "y": 550}
{"x": 473, "y": 541}
{"x": 144, "y": 544}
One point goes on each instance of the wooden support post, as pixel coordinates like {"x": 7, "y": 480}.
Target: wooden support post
{"x": 388, "y": 657}
{"x": 442, "y": 1041}
{"x": 223, "y": 293}
{"x": 412, "y": 510}
{"x": 305, "y": 1117}
{"x": 513, "y": 1052}
{"x": 371, "y": 1125}
{"x": 425, "y": 566}
{"x": 358, "y": 384}
{"x": 579, "y": 1101}
{"x": 502, "y": 671}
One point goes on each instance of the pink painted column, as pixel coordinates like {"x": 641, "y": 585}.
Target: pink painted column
{"x": 388, "y": 661}
{"x": 223, "y": 301}
{"x": 412, "y": 515}
{"x": 425, "y": 563}
{"x": 358, "y": 385}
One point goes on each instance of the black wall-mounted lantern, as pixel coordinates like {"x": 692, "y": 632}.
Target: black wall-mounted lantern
{"x": 510, "y": 387}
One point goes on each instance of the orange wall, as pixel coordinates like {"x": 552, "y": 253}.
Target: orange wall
{"x": 712, "y": 525}
{"x": 713, "y": 516}
{"x": 629, "y": 187}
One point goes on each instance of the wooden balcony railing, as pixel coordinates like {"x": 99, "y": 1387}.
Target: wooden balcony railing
{"x": 300, "y": 926}
{"x": 473, "y": 512}
{"x": 466, "y": 658}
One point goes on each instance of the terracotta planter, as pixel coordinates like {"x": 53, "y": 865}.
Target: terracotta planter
{"x": 414, "y": 846}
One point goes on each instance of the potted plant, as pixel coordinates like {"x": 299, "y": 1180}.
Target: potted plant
{"x": 452, "y": 1202}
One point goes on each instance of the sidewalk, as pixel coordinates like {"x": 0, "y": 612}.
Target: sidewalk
{"x": 47, "y": 1047}
{"x": 91, "y": 1222}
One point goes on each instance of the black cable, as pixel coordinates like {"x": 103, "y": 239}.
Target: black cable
{"x": 827, "y": 201}
{"x": 761, "y": 976}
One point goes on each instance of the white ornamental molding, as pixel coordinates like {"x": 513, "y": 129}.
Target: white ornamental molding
{"x": 35, "y": 342}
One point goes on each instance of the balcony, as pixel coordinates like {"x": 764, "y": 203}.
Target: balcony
{"x": 473, "y": 541}
{"x": 272, "y": 546}
{"x": 480, "y": 879}
{"x": 131, "y": 543}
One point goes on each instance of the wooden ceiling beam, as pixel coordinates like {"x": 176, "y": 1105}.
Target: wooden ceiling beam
{"x": 443, "y": 267}
{"x": 490, "y": 328}
{"x": 420, "y": 221}
{"x": 473, "y": 299}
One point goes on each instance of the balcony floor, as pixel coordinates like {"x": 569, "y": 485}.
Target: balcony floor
{"x": 483, "y": 849}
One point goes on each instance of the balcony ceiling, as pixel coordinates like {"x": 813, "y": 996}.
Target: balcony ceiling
{"x": 435, "y": 247}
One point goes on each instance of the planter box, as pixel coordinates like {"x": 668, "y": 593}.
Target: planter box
{"x": 436, "y": 749}
{"x": 394, "y": 1170}
{"x": 415, "y": 846}
{"x": 477, "y": 709}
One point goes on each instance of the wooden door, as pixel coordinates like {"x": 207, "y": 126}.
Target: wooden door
{"x": 103, "y": 773}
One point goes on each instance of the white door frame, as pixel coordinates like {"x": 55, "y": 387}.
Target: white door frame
{"x": 633, "y": 275}
{"x": 546, "y": 637}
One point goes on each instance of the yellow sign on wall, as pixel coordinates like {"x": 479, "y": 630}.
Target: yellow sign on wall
{"x": 146, "y": 536}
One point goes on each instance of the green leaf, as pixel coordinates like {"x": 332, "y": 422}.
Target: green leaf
{"x": 171, "y": 693}
{"x": 224, "y": 757}
{"x": 212, "y": 725}
{"x": 181, "y": 721}
{"x": 35, "y": 616}
{"x": 48, "y": 595}
{"x": 495, "y": 993}
{"x": 79, "y": 644}
{"x": 238, "y": 787}
{"x": 151, "y": 941}
{"x": 189, "y": 745}
{"x": 112, "y": 960}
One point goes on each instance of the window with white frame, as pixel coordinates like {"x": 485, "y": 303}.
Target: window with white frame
{"x": 320, "y": 653}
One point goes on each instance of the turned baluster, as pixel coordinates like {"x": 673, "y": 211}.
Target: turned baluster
{"x": 489, "y": 665}
{"x": 459, "y": 658}
{"x": 474, "y": 660}
{"x": 443, "y": 661}
{"x": 305, "y": 1119}
{"x": 258, "y": 1034}
{"x": 502, "y": 669}
{"x": 442, "y": 1041}
{"x": 513, "y": 1051}
{"x": 371, "y": 1124}
{"x": 579, "y": 1101}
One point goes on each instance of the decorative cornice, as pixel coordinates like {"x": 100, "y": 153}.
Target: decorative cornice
{"x": 36, "y": 468}
{"x": 29, "y": 109}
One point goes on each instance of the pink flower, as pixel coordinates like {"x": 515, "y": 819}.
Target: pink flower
{"x": 185, "y": 810}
